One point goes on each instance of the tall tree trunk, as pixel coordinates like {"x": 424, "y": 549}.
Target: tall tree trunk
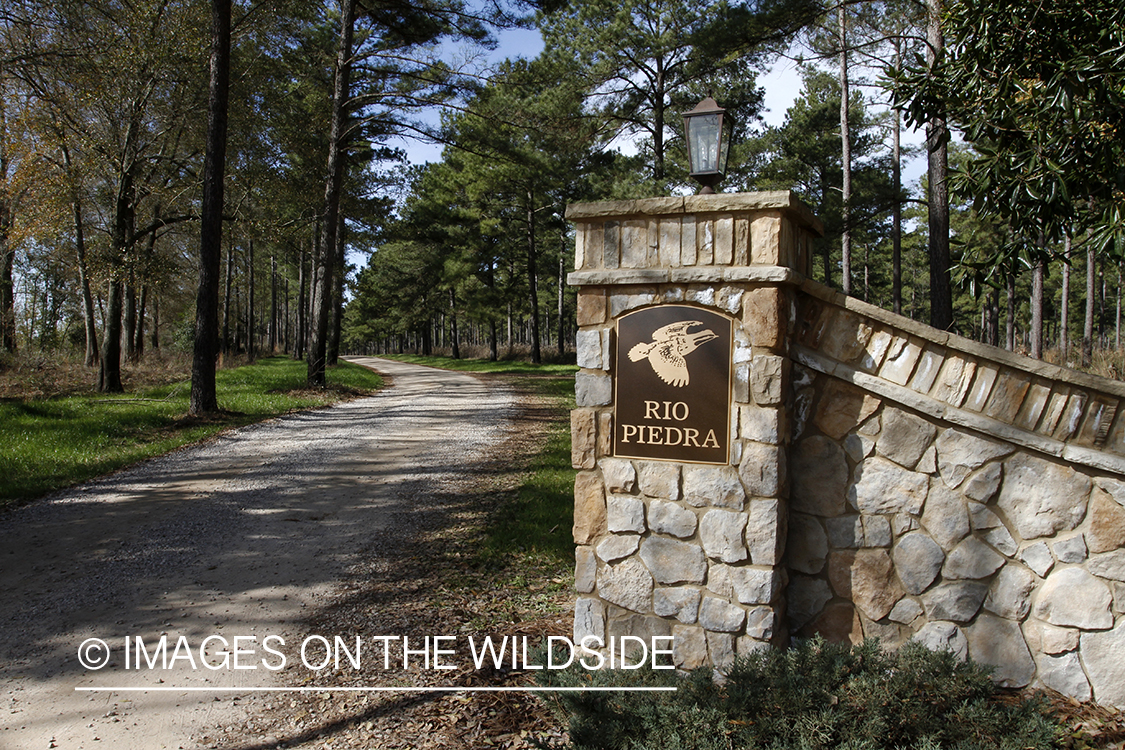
{"x": 251, "y": 348}
{"x": 1010, "y": 323}
{"x": 88, "y": 319}
{"x": 1088, "y": 323}
{"x": 561, "y": 312}
{"x": 130, "y": 315}
{"x": 204, "y": 399}
{"x": 109, "y": 369}
{"x": 226, "y": 299}
{"x": 845, "y": 156}
{"x": 139, "y": 342}
{"x": 941, "y": 293}
{"x": 322, "y": 291}
{"x": 1037, "y": 274}
{"x": 333, "y": 352}
{"x": 299, "y": 345}
{"x": 453, "y": 332}
{"x": 896, "y": 206}
{"x": 155, "y": 321}
{"x": 273, "y": 303}
{"x": 1064, "y": 311}
{"x": 532, "y": 280}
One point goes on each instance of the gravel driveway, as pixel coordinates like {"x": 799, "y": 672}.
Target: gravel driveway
{"x": 235, "y": 537}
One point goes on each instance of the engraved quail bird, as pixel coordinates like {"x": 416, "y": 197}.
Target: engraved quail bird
{"x": 668, "y": 349}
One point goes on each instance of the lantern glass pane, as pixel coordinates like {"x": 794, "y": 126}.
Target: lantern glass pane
{"x": 703, "y": 138}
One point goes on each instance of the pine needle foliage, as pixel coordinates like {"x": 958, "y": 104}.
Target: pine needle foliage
{"x": 813, "y": 696}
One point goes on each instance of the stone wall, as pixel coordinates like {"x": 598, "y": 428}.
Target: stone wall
{"x": 886, "y": 479}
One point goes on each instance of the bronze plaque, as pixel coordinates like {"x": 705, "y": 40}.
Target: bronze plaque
{"x": 672, "y": 385}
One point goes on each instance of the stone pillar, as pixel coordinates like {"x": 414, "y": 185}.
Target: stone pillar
{"x": 668, "y": 547}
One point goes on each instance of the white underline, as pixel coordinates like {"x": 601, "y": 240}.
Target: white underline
{"x": 167, "y": 689}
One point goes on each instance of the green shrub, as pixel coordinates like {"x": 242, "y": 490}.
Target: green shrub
{"x": 814, "y": 695}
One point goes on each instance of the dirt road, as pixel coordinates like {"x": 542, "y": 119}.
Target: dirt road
{"x": 231, "y": 539}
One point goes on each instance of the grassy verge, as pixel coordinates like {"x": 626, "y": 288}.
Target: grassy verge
{"x": 46, "y": 444}
{"x": 500, "y": 367}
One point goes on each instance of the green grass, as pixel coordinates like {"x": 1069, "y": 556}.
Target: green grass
{"x": 52, "y": 443}
{"x": 500, "y": 367}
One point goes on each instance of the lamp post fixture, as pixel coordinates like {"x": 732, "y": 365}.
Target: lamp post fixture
{"x": 708, "y": 130}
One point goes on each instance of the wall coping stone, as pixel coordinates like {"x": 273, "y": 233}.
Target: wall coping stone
{"x": 686, "y": 275}
{"x": 698, "y": 204}
{"x": 960, "y": 343}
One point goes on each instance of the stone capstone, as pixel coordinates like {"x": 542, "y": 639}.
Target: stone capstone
{"x": 973, "y": 559}
{"x": 820, "y": 477}
{"x": 1101, "y": 653}
{"x": 716, "y": 486}
{"x": 905, "y": 437}
{"x": 865, "y": 577}
{"x": 670, "y": 518}
{"x": 1041, "y": 498}
{"x": 628, "y": 584}
{"x": 885, "y": 487}
{"x": 999, "y": 643}
{"x": 959, "y": 454}
{"x": 807, "y": 548}
{"x": 720, "y": 616}
{"x": 721, "y": 534}
{"x": 1071, "y": 597}
{"x": 672, "y": 561}
{"x": 918, "y": 560}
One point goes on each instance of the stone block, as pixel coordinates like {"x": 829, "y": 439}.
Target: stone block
{"x": 820, "y": 477}
{"x": 927, "y": 464}
{"x": 689, "y": 647}
{"x": 943, "y": 636}
{"x": 876, "y": 531}
{"x": 724, "y": 240}
{"x": 765, "y": 317}
{"x": 611, "y": 244}
{"x": 1064, "y": 673}
{"x": 954, "y": 380}
{"x": 720, "y": 648}
{"x": 1106, "y": 530}
{"x": 806, "y": 598}
{"x": 765, "y": 531}
{"x": 1001, "y": 540}
{"x": 1071, "y": 416}
{"x": 729, "y": 299}
{"x": 1073, "y": 598}
{"x": 659, "y": 479}
{"x": 1099, "y": 418}
{"x": 983, "y": 380}
{"x": 583, "y": 439}
{"x": 679, "y": 602}
{"x": 971, "y": 559}
{"x": 1070, "y": 550}
{"x": 884, "y": 487}
{"x": 1042, "y": 498}
{"x": 719, "y": 580}
{"x": 589, "y": 619}
{"x": 858, "y": 447}
{"x": 765, "y": 239}
{"x": 716, "y": 486}
{"x": 945, "y": 517}
{"x": 1053, "y": 412}
{"x": 588, "y": 349}
{"x": 845, "y": 337}
{"x": 705, "y": 241}
{"x": 672, "y": 519}
{"x": 768, "y": 376}
{"x": 874, "y": 351}
{"x": 1007, "y": 395}
{"x": 585, "y": 569}
{"x": 807, "y": 546}
{"x": 904, "y": 437}
{"x": 740, "y": 390}
{"x": 902, "y": 357}
{"x": 761, "y": 625}
{"x": 929, "y": 365}
{"x": 721, "y": 616}
{"x": 1000, "y": 644}
{"x": 670, "y": 237}
{"x": 627, "y": 584}
{"x": 1039, "y": 558}
{"x": 721, "y": 534}
{"x": 689, "y": 255}
{"x": 761, "y": 424}
{"x": 672, "y": 561}
{"x": 838, "y": 623}
{"x": 605, "y": 433}
{"x": 1050, "y": 639}
{"x": 625, "y": 513}
{"x": 620, "y": 475}
{"x": 593, "y": 388}
{"x": 1033, "y": 406}
{"x": 589, "y": 507}
{"x": 845, "y": 532}
{"x": 956, "y": 601}
{"x": 622, "y": 303}
{"x": 755, "y": 585}
{"x": 1101, "y": 654}
{"x": 960, "y": 454}
{"x": 762, "y": 470}
{"x": 617, "y": 546}
{"x": 918, "y": 560}
{"x": 634, "y": 244}
{"x": 842, "y": 408}
{"x": 905, "y": 612}
{"x": 741, "y": 241}
{"x": 591, "y": 307}
{"x": 1108, "y": 565}
{"x": 982, "y": 484}
{"x": 866, "y": 578}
